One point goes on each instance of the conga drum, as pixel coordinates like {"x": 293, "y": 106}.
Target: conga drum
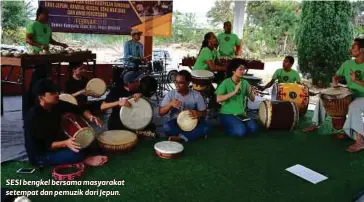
{"x": 68, "y": 98}
{"x": 336, "y": 102}
{"x": 295, "y": 93}
{"x": 278, "y": 115}
{"x": 117, "y": 140}
{"x": 168, "y": 149}
{"x": 96, "y": 86}
{"x": 74, "y": 126}
{"x": 201, "y": 79}
{"x": 138, "y": 116}
{"x": 185, "y": 122}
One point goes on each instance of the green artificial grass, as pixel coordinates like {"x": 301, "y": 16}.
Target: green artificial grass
{"x": 223, "y": 168}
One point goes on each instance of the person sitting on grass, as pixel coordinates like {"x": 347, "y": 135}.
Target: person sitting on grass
{"x": 180, "y": 99}
{"x": 45, "y": 143}
{"x": 232, "y": 94}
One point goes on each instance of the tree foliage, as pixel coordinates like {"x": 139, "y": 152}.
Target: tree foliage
{"x": 221, "y": 12}
{"x": 324, "y": 37}
{"x": 13, "y": 14}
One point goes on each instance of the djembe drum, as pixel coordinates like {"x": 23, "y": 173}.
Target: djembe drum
{"x": 294, "y": 93}
{"x": 201, "y": 79}
{"x": 336, "y": 102}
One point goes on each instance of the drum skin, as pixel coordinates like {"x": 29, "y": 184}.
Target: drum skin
{"x": 201, "y": 79}
{"x": 138, "y": 116}
{"x": 68, "y": 98}
{"x": 168, "y": 149}
{"x": 185, "y": 122}
{"x": 296, "y": 93}
{"x": 117, "y": 140}
{"x": 278, "y": 115}
{"x": 75, "y": 126}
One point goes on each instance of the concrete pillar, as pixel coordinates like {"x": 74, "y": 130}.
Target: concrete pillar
{"x": 239, "y": 15}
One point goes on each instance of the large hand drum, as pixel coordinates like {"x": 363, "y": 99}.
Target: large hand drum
{"x": 138, "y": 116}
{"x": 117, "y": 140}
{"x": 96, "y": 87}
{"x": 185, "y": 122}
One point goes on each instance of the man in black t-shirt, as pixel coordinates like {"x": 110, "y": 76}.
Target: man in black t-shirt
{"x": 76, "y": 85}
{"x": 45, "y": 143}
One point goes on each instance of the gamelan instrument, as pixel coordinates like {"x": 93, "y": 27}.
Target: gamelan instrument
{"x": 188, "y": 61}
{"x": 336, "y": 102}
{"x": 117, "y": 140}
{"x": 299, "y": 94}
{"x": 138, "y": 116}
{"x": 59, "y": 174}
{"x": 278, "y": 115}
{"x": 168, "y": 149}
{"x": 201, "y": 79}
{"x": 185, "y": 122}
{"x": 75, "y": 126}
{"x": 68, "y": 98}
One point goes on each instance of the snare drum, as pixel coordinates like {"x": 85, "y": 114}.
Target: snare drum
{"x": 168, "y": 149}
{"x": 336, "y": 102}
{"x": 278, "y": 115}
{"x": 185, "y": 122}
{"x": 75, "y": 126}
{"x": 68, "y": 98}
{"x": 96, "y": 86}
{"x": 294, "y": 93}
{"x": 117, "y": 140}
{"x": 138, "y": 116}
{"x": 201, "y": 79}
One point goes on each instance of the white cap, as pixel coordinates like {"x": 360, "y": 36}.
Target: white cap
{"x": 135, "y": 31}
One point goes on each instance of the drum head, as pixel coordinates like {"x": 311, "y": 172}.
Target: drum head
{"x": 96, "y": 86}
{"x": 68, "y": 98}
{"x": 202, "y": 74}
{"x": 85, "y": 137}
{"x": 138, "y": 116}
{"x": 338, "y": 92}
{"x": 168, "y": 147}
{"x": 117, "y": 137}
{"x": 265, "y": 112}
{"x": 185, "y": 122}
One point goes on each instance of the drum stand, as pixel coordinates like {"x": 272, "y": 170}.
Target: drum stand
{"x": 163, "y": 84}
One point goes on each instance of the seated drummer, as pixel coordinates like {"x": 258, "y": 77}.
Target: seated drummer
{"x": 208, "y": 55}
{"x": 76, "y": 85}
{"x": 232, "y": 94}
{"x": 118, "y": 96}
{"x": 45, "y": 143}
{"x": 353, "y": 71}
{"x": 180, "y": 99}
{"x": 285, "y": 74}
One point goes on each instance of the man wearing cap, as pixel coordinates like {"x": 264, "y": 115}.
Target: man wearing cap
{"x": 133, "y": 49}
{"x": 118, "y": 96}
{"x": 45, "y": 143}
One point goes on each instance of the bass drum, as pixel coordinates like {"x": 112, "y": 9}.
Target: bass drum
{"x": 148, "y": 86}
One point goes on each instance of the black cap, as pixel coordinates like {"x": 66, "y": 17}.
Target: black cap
{"x": 131, "y": 76}
{"x": 45, "y": 86}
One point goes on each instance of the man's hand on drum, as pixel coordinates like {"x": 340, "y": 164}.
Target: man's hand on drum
{"x": 176, "y": 104}
{"x": 193, "y": 114}
{"x": 124, "y": 103}
{"x": 72, "y": 145}
{"x": 136, "y": 96}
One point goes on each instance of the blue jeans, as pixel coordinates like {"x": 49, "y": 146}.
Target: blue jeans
{"x": 61, "y": 156}
{"x": 171, "y": 128}
{"x": 236, "y": 127}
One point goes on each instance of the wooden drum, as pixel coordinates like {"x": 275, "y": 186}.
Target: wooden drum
{"x": 117, "y": 140}
{"x": 201, "y": 79}
{"x": 74, "y": 126}
{"x": 295, "y": 93}
{"x": 336, "y": 102}
{"x": 278, "y": 115}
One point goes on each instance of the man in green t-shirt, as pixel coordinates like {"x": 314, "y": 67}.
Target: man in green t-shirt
{"x": 285, "y": 74}
{"x": 353, "y": 72}
{"x": 229, "y": 43}
{"x": 39, "y": 34}
{"x": 232, "y": 93}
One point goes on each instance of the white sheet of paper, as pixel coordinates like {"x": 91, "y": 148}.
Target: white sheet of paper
{"x": 306, "y": 173}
